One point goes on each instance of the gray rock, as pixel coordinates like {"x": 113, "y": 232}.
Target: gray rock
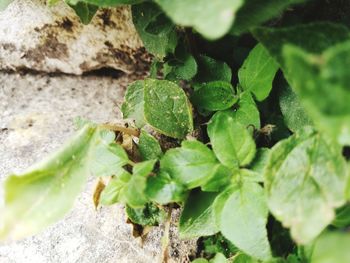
{"x": 36, "y": 117}
{"x": 52, "y": 39}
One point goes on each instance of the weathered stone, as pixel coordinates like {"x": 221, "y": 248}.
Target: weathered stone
{"x": 36, "y": 116}
{"x": 52, "y": 39}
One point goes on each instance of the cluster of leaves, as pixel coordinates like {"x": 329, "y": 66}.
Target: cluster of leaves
{"x": 248, "y": 133}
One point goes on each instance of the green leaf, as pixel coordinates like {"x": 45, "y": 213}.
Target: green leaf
{"x": 156, "y": 31}
{"x": 167, "y": 108}
{"x": 294, "y": 114}
{"x": 219, "y": 258}
{"x": 305, "y": 180}
{"x": 46, "y": 191}
{"x": 241, "y": 214}
{"x": 4, "y": 4}
{"x": 85, "y": 11}
{"x": 210, "y": 69}
{"x": 107, "y": 158}
{"x": 332, "y": 248}
{"x": 321, "y": 82}
{"x": 220, "y": 178}
{"x": 231, "y": 142}
{"x": 243, "y": 258}
{"x": 133, "y": 105}
{"x": 257, "y": 72}
{"x": 149, "y": 147}
{"x": 212, "y": 19}
{"x": 255, "y": 12}
{"x": 213, "y": 96}
{"x": 217, "y": 244}
{"x": 314, "y": 38}
{"x": 135, "y": 195}
{"x": 115, "y": 190}
{"x": 149, "y": 215}
{"x": 200, "y": 260}
{"x": 257, "y": 166}
{"x": 342, "y": 218}
{"x": 247, "y": 112}
{"x": 163, "y": 189}
{"x": 182, "y": 66}
{"x": 198, "y": 220}
{"x": 192, "y": 165}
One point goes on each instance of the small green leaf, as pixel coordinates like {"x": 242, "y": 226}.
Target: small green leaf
{"x": 163, "y": 189}
{"x": 219, "y": 179}
{"x": 149, "y": 147}
{"x": 46, "y": 191}
{"x": 200, "y": 260}
{"x": 247, "y": 112}
{"x": 210, "y": 69}
{"x": 257, "y": 72}
{"x": 231, "y": 141}
{"x": 182, "y": 66}
{"x": 133, "y": 105}
{"x": 211, "y": 19}
{"x": 192, "y": 165}
{"x": 305, "y": 179}
{"x": 243, "y": 258}
{"x": 149, "y": 215}
{"x": 107, "y": 157}
{"x": 241, "y": 214}
{"x": 257, "y": 166}
{"x": 135, "y": 195}
{"x": 167, "y": 108}
{"x": 219, "y": 258}
{"x": 213, "y": 96}
{"x": 157, "y": 32}
{"x": 294, "y": 114}
{"x": 198, "y": 220}
{"x": 331, "y": 248}
{"x": 115, "y": 191}
{"x": 85, "y": 11}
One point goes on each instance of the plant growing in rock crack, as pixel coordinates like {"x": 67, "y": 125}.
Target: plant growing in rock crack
{"x": 244, "y": 122}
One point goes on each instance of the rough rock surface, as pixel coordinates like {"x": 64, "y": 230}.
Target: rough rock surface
{"x": 36, "y": 116}
{"x": 52, "y": 39}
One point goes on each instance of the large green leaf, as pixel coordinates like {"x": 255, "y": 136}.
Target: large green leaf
{"x": 294, "y": 114}
{"x": 193, "y": 164}
{"x": 305, "y": 178}
{"x": 198, "y": 220}
{"x": 167, "y": 109}
{"x": 241, "y": 213}
{"x": 322, "y": 84}
{"x": 4, "y": 4}
{"x": 314, "y": 38}
{"x": 255, "y": 12}
{"x": 212, "y": 19}
{"x": 46, "y": 191}
{"x": 332, "y": 248}
{"x": 231, "y": 141}
{"x": 257, "y": 72}
{"x": 157, "y": 32}
{"x": 213, "y": 96}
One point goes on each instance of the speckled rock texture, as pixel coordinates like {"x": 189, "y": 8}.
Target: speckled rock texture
{"x": 36, "y": 117}
{"x": 52, "y": 39}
